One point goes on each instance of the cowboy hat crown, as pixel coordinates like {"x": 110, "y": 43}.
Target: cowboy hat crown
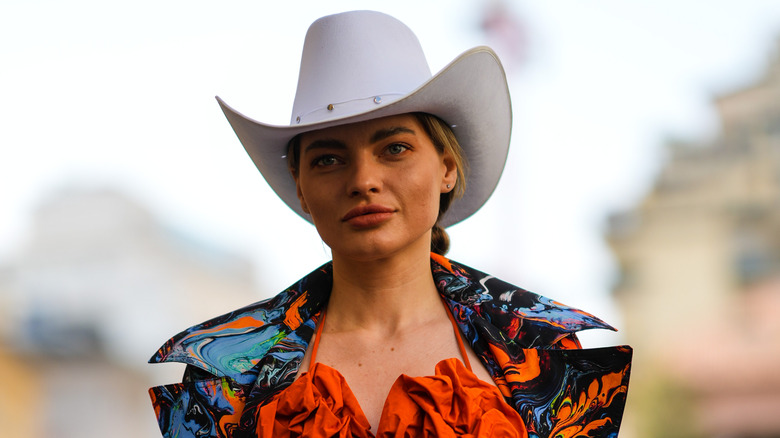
{"x": 349, "y": 65}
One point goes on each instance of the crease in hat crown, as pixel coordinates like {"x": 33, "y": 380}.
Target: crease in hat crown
{"x": 362, "y": 65}
{"x": 349, "y": 66}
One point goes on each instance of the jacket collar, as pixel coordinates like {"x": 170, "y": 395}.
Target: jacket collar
{"x": 235, "y": 343}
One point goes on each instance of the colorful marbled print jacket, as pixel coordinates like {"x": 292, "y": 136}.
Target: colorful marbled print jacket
{"x": 238, "y": 361}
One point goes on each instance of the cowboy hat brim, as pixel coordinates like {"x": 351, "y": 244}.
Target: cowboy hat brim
{"x": 470, "y": 94}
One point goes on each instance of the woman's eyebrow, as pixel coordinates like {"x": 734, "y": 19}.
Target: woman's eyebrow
{"x": 389, "y": 132}
{"x": 326, "y": 143}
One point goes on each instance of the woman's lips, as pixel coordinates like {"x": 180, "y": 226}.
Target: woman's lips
{"x": 367, "y": 215}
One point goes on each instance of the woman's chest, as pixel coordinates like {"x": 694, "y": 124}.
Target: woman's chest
{"x": 371, "y": 367}
{"x": 372, "y": 380}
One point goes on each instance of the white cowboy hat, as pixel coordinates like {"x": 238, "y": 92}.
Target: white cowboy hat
{"x": 363, "y": 65}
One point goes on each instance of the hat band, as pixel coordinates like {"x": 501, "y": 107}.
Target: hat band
{"x": 337, "y": 110}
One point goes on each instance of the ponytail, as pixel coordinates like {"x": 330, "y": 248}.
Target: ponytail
{"x": 440, "y": 240}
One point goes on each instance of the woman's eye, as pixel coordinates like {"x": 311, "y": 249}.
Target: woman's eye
{"x": 396, "y": 148}
{"x": 326, "y": 160}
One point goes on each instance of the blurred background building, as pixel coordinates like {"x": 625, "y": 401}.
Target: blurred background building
{"x": 99, "y": 283}
{"x": 699, "y": 283}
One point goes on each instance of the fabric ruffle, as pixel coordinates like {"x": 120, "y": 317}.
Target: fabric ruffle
{"x": 453, "y": 402}
{"x": 318, "y": 404}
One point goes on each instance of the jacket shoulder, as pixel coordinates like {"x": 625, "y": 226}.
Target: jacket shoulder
{"x": 232, "y": 344}
{"x": 523, "y": 316}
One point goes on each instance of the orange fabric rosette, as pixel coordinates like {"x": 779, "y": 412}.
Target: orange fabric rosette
{"x": 453, "y": 402}
{"x": 318, "y": 404}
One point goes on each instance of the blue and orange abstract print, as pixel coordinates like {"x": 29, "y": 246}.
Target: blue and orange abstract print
{"x": 239, "y": 361}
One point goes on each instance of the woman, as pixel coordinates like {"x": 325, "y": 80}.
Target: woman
{"x": 390, "y": 338}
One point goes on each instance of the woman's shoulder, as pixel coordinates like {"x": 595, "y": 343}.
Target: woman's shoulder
{"x": 530, "y": 319}
{"x": 528, "y": 344}
{"x": 232, "y": 344}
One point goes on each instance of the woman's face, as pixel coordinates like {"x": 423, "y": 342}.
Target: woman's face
{"x": 372, "y": 188}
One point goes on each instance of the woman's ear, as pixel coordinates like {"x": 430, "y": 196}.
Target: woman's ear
{"x": 450, "y": 176}
{"x": 304, "y": 207}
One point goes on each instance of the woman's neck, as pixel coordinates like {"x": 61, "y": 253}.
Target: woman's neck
{"x": 385, "y": 295}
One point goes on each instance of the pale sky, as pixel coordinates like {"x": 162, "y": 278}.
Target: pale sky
{"x": 122, "y": 94}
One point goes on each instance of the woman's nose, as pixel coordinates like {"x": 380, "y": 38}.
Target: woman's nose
{"x": 365, "y": 177}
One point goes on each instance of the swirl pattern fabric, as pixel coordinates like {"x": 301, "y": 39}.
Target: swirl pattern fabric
{"x": 239, "y": 361}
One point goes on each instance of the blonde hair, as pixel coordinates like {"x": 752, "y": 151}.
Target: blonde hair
{"x": 444, "y": 141}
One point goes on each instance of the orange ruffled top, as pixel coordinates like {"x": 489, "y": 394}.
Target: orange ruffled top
{"x": 452, "y": 402}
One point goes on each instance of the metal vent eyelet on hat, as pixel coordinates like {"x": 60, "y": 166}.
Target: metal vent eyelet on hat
{"x": 344, "y": 106}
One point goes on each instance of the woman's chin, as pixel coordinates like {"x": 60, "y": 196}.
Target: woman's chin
{"x": 368, "y": 250}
